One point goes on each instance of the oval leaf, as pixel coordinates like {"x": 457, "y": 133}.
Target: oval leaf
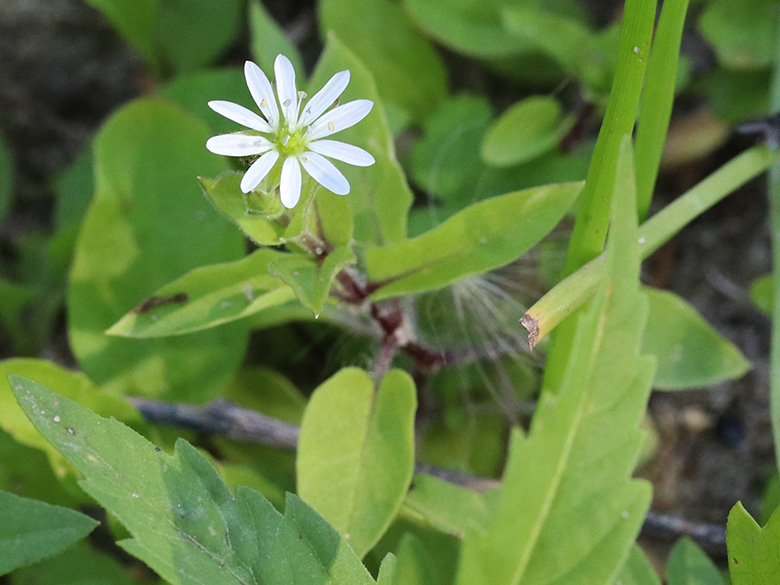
{"x": 356, "y": 452}
{"x": 527, "y": 130}
{"x": 146, "y": 226}
{"x": 691, "y": 354}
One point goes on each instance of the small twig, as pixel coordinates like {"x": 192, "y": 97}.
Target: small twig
{"x": 224, "y": 418}
{"x": 221, "y": 417}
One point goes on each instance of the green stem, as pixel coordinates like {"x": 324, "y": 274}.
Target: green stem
{"x": 657, "y": 100}
{"x": 590, "y": 228}
{"x": 573, "y": 291}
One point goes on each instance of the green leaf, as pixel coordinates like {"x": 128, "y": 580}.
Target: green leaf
{"x": 74, "y": 192}
{"x": 568, "y": 505}
{"x": 762, "y": 291}
{"x": 743, "y": 34}
{"x": 134, "y": 20}
{"x": 267, "y": 39}
{"x": 691, "y": 354}
{"x": 6, "y": 179}
{"x": 406, "y": 67}
{"x": 448, "y": 507}
{"x": 528, "y": 129}
{"x": 334, "y": 218}
{"x": 356, "y": 452}
{"x": 184, "y": 521}
{"x": 192, "y": 91}
{"x": 689, "y": 565}
{"x": 310, "y": 277}
{"x": 79, "y": 565}
{"x": 483, "y": 236}
{"x": 265, "y": 390}
{"x": 206, "y": 297}
{"x": 472, "y": 27}
{"x": 415, "y": 564}
{"x": 26, "y": 472}
{"x": 380, "y": 197}
{"x": 194, "y": 33}
{"x": 225, "y": 194}
{"x": 31, "y": 530}
{"x": 387, "y": 571}
{"x": 146, "y": 226}
{"x": 445, "y": 162}
{"x": 74, "y": 385}
{"x": 565, "y": 39}
{"x": 637, "y": 570}
{"x": 754, "y": 552}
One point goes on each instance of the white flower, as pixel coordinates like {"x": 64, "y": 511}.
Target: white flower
{"x": 282, "y": 134}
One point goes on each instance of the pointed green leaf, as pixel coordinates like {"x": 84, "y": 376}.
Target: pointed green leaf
{"x": 387, "y": 571}
{"x": 31, "y": 530}
{"x": 207, "y": 297}
{"x": 225, "y": 194}
{"x": 527, "y": 130}
{"x": 356, "y": 452}
{"x": 146, "y": 226}
{"x": 310, "y": 277}
{"x": 184, "y": 521}
{"x": 762, "y": 291}
{"x": 689, "y": 565}
{"x": 448, "y": 507}
{"x": 569, "y": 509}
{"x": 691, "y": 354}
{"x": 415, "y": 565}
{"x": 379, "y": 197}
{"x": 74, "y": 385}
{"x": 267, "y": 39}
{"x": 754, "y": 552}
{"x": 407, "y": 69}
{"x": 637, "y": 570}
{"x": 482, "y": 237}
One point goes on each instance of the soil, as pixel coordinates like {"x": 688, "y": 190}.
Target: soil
{"x": 63, "y": 70}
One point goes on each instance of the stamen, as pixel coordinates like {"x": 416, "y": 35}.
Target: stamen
{"x": 331, "y": 126}
{"x": 286, "y": 102}
{"x": 264, "y": 103}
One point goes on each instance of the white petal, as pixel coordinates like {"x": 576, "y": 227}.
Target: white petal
{"x": 258, "y": 171}
{"x": 262, "y": 92}
{"x": 340, "y": 118}
{"x": 323, "y": 171}
{"x": 238, "y": 145}
{"x": 285, "y": 87}
{"x": 324, "y": 98}
{"x": 290, "y": 186}
{"x": 240, "y": 115}
{"x": 344, "y": 152}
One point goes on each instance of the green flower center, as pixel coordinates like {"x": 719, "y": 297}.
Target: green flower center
{"x": 291, "y": 143}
